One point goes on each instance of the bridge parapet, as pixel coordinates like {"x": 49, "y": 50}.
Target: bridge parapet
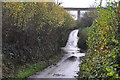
{"x": 78, "y": 10}
{"x": 83, "y": 9}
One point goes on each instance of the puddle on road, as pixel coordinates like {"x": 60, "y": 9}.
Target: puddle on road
{"x": 72, "y": 58}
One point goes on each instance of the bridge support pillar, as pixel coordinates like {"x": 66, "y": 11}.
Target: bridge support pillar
{"x": 78, "y": 14}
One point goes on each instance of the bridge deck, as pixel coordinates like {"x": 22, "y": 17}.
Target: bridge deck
{"x": 79, "y": 8}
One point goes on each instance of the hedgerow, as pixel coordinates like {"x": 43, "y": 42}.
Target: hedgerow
{"x": 83, "y": 36}
{"x": 32, "y": 34}
{"x": 102, "y": 57}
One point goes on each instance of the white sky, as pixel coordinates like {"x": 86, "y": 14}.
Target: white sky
{"x": 77, "y": 3}
{"x": 81, "y": 4}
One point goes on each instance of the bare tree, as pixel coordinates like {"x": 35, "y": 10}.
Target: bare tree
{"x": 59, "y": 3}
{"x": 101, "y": 3}
{"x": 119, "y": 3}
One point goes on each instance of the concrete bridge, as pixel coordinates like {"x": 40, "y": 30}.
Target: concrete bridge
{"x": 83, "y": 9}
{"x": 78, "y": 10}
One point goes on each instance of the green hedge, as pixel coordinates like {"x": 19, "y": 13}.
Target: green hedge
{"x": 33, "y": 33}
{"x": 101, "y": 60}
{"x": 83, "y": 36}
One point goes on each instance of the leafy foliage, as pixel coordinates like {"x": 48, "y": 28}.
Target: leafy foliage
{"x": 33, "y": 33}
{"x": 87, "y": 19}
{"x": 102, "y": 58}
{"x": 83, "y": 24}
{"x": 83, "y": 36}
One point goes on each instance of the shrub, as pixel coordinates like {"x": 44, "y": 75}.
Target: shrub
{"x": 87, "y": 19}
{"x": 101, "y": 60}
{"x": 83, "y": 37}
{"x": 32, "y": 34}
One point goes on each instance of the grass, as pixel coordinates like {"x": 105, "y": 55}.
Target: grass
{"x": 26, "y": 72}
{"x": 30, "y": 70}
{"x": 23, "y": 72}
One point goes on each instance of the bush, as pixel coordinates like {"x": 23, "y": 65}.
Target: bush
{"x": 32, "y": 34}
{"x": 101, "y": 60}
{"x": 83, "y": 37}
{"x": 87, "y": 19}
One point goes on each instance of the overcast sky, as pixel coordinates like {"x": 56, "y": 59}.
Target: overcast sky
{"x": 81, "y": 4}
{"x": 77, "y": 3}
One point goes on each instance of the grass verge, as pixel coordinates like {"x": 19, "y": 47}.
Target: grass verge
{"x": 32, "y": 69}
